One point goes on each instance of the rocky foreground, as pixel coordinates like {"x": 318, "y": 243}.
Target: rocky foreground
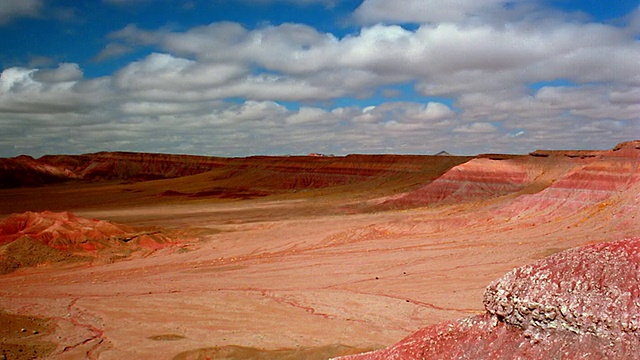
{"x": 583, "y": 303}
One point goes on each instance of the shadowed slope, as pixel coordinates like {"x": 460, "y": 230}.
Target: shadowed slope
{"x": 192, "y": 178}
{"x": 279, "y": 172}
{"x": 27, "y": 171}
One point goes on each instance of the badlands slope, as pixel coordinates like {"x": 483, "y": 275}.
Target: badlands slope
{"x": 149, "y": 256}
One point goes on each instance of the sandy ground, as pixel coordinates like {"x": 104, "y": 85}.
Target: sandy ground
{"x": 301, "y": 274}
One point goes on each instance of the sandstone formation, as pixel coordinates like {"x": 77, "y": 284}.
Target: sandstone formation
{"x": 26, "y": 171}
{"x": 30, "y": 239}
{"x": 561, "y": 179}
{"x": 63, "y": 231}
{"x": 269, "y": 172}
{"x": 477, "y": 179}
{"x": 582, "y": 303}
{"x": 596, "y": 179}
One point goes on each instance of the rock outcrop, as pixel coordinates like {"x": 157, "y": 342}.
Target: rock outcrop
{"x": 27, "y": 171}
{"x": 594, "y": 180}
{"x": 593, "y": 290}
{"x": 570, "y": 180}
{"x": 129, "y": 166}
{"x": 30, "y": 239}
{"x": 578, "y": 304}
{"x": 477, "y": 179}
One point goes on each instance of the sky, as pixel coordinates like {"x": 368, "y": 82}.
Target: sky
{"x": 278, "y": 77}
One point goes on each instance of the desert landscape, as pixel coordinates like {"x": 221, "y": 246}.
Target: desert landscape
{"x": 154, "y": 256}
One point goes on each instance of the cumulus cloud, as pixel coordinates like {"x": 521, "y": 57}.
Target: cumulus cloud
{"x": 495, "y": 12}
{"x": 113, "y": 50}
{"x": 63, "y": 73}
{"x": 11, "y": 9}
{"x": 479, "y": 84}
{"x": 164, "y": 72}
{"x": 419, "y": 11}
{"x": 445, "y": 59}
{"x": 49, "y": 91}
{"x": 309, "y": 115}
{"x": 429, "y": 115}
{"x": 475, "y": 128}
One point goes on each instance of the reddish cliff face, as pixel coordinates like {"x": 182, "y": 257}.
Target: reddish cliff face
{"x": 120, "y": 179}
{"x": 582, "y": 303}
{"x": 307, "y": 172}
{"x": 592, "y": 290}
{"x": 594, "y": 180}
{"x": 131, "y": 166}
{"x": 29, "y": 239}
{"x": 478, "y": 179}
{"x": 560, "y": 179}
{"x": 27, "y": 171}
{"x": 256, "y": 175}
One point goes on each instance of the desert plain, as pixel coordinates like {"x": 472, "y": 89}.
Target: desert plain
{"x": 311, "y": 257}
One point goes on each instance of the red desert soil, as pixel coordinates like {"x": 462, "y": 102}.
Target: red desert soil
{"x": 579, "y": 304}
{"x": 295, "y": 257}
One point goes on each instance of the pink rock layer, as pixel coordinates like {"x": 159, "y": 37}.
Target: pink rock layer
{"x": 477, "y": 179}
{"x": 582, "y": 303}
{"x": 70, "y": 233}
{"x": 595, "y": 180}
{"x": 562, "y": 180}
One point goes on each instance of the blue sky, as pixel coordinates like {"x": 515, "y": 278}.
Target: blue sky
{"x": 244, "y": 77}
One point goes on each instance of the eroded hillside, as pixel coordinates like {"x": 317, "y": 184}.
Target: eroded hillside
{"x": 325, "y": 256}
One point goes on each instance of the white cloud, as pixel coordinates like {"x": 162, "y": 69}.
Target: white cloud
{"x": 134, "y": 35}
{"x": 11, "y": 9}
{"x": 166, "y": 72}
{"x": 49, "y": 91}
{"x": 420, "y": 11}
{"x": 216, "y": 89}
{"x": 476, "y": 128}
{"x": 433, "y": 111}
{"x": 255, "y": 111}
{"x": 163, "y": 107}
{"x": 431, "y": 116}
{"x": 308, "y": 115}
{"x": 64, "y": 73}
{"x": 113, "y": 50}
{"x": 495, "y": 12}
{"x": 444, "y": 59}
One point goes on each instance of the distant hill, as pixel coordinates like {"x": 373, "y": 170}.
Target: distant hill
{"x": 282, "y": 172}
